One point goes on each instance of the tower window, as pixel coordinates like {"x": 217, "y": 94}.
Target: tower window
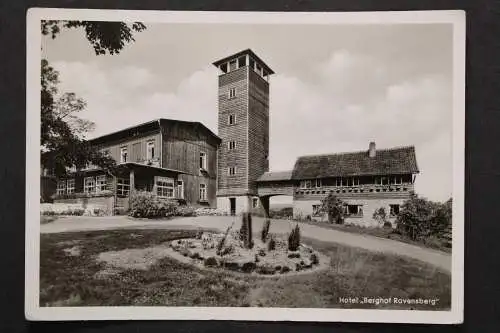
{"x": 232, "y": 65}
{"x": 231, "y": 145}
{"x": 232, "y": 92}
{"x": 223, "y": 67}
{"x": 231, "y": 119}
{"x": 242, "y": 61}
{"x": 232, "y": 171}
{"x": 203, "y": 160}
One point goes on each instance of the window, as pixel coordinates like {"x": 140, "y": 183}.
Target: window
{"x": 70, "y": 188}
{"x": 232, "y": 65}
{"x": 397, "y": 180}
{"x": 318, "y": 183}
{"x": 180, "y": 189}
{"x": 150, "y": 150}
{"x": 231, "y": 171}
{"x": 61, "y": 187}
{"x": 203, "y": 192}
{"x": 231, "y": 145}
{"x": 203, "y": 160}
{"x": 89, "y": 184}
{"x": 305, "y": 184}
{"x": 356, "y": 210}
{"x": 123, "y": 155}
{"x": 316, "y": 210}
{"x": 231, "y": 119}
{"x": 122, "y": 187}
{"x": 255, "y": 202}
{"x": 258, "y": 69}
{"x": 223, "y": 67}
{"x": 232, "y": 92}
{"x": 394, "y": 210}
{"x": 382, "y": 180}
{"x": 100, "y": 183}
{"x": 164, "y": 187}
{"x": 338, "y": 181}
{"x": 242, "y": 61}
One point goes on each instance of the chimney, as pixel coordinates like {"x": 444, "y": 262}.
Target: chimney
{"x": 371, "y": 149}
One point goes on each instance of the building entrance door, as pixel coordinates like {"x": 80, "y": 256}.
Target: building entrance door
{"x": 232, "y": 206}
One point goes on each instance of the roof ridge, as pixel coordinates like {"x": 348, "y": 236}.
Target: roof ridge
{"x": 358, "y": 151}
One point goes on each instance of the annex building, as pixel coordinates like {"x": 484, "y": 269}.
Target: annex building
{"x": 185, "y": 161}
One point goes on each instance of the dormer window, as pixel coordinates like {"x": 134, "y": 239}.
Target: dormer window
{"x": 123, "y": 155}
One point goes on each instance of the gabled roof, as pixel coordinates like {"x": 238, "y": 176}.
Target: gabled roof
{"x": 275, "y": 176}
{"x": 401, "y": 160}
{"x": 153, "y": 125}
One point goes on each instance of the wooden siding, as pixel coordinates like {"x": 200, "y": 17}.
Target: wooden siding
{"x": 181, "y": 148}
{"x": 237, "y": 158}
{"x": 258, "y": 129}
{"x": 136, "y": 147}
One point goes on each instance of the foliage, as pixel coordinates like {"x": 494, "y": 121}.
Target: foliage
{"x": 104, "y": 36}
{"x": 186, "y": 211}
{"x": 283, "y": 213}
{"x": 265, "y": 230}
{"x": 380, "y": 215}
{"x": 294, "y": 239}
{"x": 246, "y": 230}
{"x": 147, "y": 204}
{"x": 333, "y": 207}
{"x": 271, "y": 245}
{"x": 420, "y": 218}
{"x": 222, "y": 242}
{"x": 69, "y": 211}
{"x": 62, "y": 132}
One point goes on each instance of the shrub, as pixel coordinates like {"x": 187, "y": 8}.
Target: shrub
{"x": 147, "y": 204}
{"x": 294, "y": 238}
{"x": 246, "y": 230}
{"x": 333, "y": 207}
{"x": 186, "y": 211}
{"x": 210, "y": 262}
{"x": 387, "y": 225}
{"x": 420, "y": 218}
{"x": 271, "y": 245}
{"x": 222, "y": 242}
{"x": 265, "y": 230}
{"x": 314, "y": 259}
{"x": 380, "y": 216}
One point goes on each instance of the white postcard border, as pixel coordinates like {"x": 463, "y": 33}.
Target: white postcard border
{"x": 32, "y": 309}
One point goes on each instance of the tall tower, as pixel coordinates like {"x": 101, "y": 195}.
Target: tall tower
{"x": 243, "y": 128}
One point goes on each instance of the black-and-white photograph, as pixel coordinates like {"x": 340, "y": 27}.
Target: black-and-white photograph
{"x": 257, "y": 166}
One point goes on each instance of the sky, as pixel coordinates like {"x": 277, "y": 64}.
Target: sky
{"x": 336, "y": 87}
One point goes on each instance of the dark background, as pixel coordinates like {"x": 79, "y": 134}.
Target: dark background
{"x": 482, "y": 219}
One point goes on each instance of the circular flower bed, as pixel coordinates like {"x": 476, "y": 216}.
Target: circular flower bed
{"x": 266, "y": 258}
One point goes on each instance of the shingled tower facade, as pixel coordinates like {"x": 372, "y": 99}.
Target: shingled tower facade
{"x": 243, "y": 126}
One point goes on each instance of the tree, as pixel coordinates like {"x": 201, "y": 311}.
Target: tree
{"x": 333, "y": 207}
{"x": 63, "y": 143}
{"x": 420, "y": 218}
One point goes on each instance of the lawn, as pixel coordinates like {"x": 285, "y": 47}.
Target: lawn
{"x": 70, "y": 275}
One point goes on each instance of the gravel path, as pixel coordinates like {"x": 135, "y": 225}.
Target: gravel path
{"x": 82, "y": 223}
